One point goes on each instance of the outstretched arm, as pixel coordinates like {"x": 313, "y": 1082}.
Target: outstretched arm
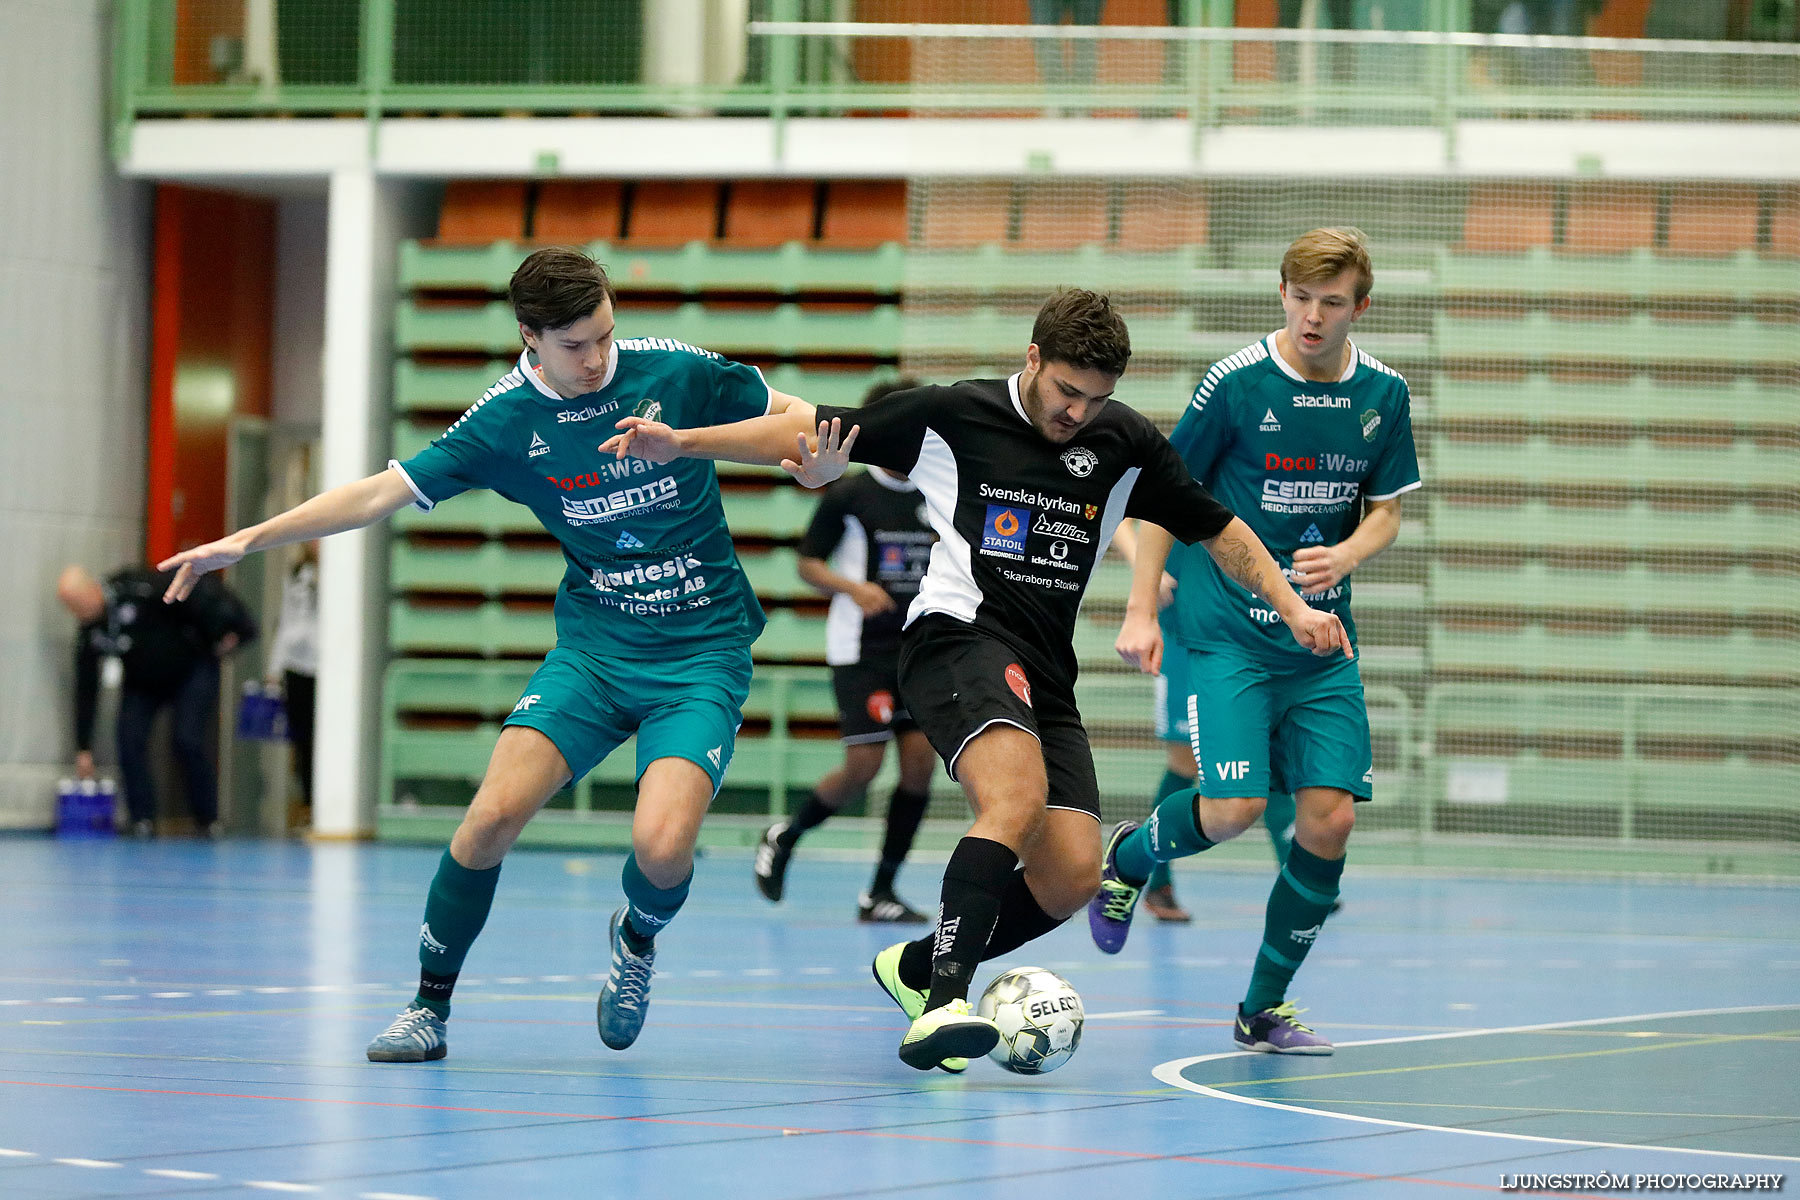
{"x": 1243, "y": 557}
{"x": 777, "y": 438}
{"x": 349, "y": 506}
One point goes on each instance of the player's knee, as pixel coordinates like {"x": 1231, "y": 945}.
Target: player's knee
{"x": 665, "y": 852}
{"x": 1326, "y": 831}
{"x": 487, "y": 832}
{"x": 1225, "y": 818}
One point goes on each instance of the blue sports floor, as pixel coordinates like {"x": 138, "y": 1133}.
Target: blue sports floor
{"x": 186, "y": 1019}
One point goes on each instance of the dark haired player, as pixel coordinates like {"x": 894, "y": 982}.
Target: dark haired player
{"x": 1026, "y": 479}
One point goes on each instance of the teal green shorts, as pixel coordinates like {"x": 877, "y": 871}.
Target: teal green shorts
{"x": 678, "y": 708}
{"x": 1255, "y": 728}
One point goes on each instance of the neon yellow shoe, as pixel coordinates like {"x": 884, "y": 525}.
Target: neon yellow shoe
{"x": 948, "y": 1031}
{"x": 910, "y": 1000}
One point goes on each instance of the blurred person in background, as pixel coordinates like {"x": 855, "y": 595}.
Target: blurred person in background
{"x": 294, "y": 664}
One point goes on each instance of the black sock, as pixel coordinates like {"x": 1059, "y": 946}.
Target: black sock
{"x": 915, "y": 962}
{"x": 1022, "y": 919}
{"x": 975, "y": 880}
{"x": 813, "y": 812}
{"x": 905, "y": 811}
{"x": 434, "y": 993}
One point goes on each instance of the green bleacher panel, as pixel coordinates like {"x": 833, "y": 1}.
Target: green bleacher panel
{"x": 792, "y": 269}
{"x": 446, "y": 389}
{"x": 1553, "y": 782}
{"x": 842, "y": 388}
{"x": 791, "y": 637}
{"x": 1744, "y": 464}
{"x": 989, "y": 331}
{"x": 1741, "y": 403}
{"x": 483, "y": 630}
{"x": 780, "y": 694}
{"x": 1542, "y": 337}
{"x": 774, "y": 574}
{"x": 782, "y": 511}
{"x": 993, "y": 269}
{"x": 1635, "y": 589}
{"x": 482, "y": 512}
{"x": 458, "y": 754}
{"x": 1634, "y": 526}
{"x": 443, "y": 685}
{"x": 784, "y": 330}
{"x": 470, "y": 268}
{"x": 1541, "y": 271}
{"x": 489, "y": 569}
{"x": 1628, "y": 653}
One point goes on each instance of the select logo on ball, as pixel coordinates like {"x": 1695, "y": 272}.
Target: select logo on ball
{"x": 1015, "y": 679}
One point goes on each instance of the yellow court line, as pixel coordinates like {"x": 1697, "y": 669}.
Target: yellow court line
{"x": 1489, "y": 1062}
{"x": 1530, "y": 1108}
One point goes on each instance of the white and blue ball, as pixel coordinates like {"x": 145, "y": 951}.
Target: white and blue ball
{"x": 1039, "y": 1016}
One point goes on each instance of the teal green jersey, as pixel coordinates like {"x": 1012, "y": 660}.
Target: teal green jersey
{"x": 651, "y": 572}
{"x": 1296, "y": 460}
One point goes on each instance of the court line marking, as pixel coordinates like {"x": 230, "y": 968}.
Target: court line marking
{"x": 1171, "y": 1074}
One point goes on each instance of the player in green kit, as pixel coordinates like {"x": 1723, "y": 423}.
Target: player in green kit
{"x": 654, "y": 617}
{"x": 1311, "y": 440}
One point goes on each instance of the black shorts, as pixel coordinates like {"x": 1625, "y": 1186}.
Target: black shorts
{"x": 868, "y": 700}
{"x": 957, "y": 680}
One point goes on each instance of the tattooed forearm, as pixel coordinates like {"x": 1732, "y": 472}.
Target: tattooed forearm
{"x": 1238, "y": 561}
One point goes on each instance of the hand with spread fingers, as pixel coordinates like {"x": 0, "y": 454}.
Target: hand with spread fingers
{"x": 815, "y": 469}
{"x": 649, "y": 440}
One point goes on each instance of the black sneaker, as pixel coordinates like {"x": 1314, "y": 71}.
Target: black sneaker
{"x": 886, "y": 908}
{"x": 772, "y": 863}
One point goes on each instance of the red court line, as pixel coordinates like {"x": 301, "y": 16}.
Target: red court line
{"x": 790, "y": 1130}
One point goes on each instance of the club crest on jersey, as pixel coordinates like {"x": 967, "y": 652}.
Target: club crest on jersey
{"x": 538, "y": 446}
{"x": 1080, "y": 461}
{"x": 1371, "y": 421}
{"x": 1090, "y": 511}
{"x": 1003, "y": 531}
{"x": 650, "y": 410}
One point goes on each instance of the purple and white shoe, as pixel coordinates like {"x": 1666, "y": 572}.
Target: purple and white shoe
{"x": 1275, "y": 1031}
{"x": 1109, "y": 912}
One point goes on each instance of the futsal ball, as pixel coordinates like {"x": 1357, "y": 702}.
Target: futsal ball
{"x": 1039, "y": 1016}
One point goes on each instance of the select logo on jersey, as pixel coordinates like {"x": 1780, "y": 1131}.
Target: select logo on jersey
{"x": 881, "y": 707}
{"x": 570, "y": 416}
{"x": 650, "y": 410}
{"x": 1015, "y": 679}
{"x": 1080, "y": 461}
{"x": 648, "y": 497}
{"x": 1003, "y": 531}
{"x": 538, "y": 446}
{"x": 1321, "y": 402}
{"x": 628, "y": 541}
{"x": 1049, "y": 526}
{"x": 1371, "y": 421}
{"x": 1269, "y": 423}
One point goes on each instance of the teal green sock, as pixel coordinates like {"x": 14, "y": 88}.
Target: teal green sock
{"x": 648, "y": 908}
{"x": 1171, "y": 782}
{"x": 1278, "y": 819}
{"x": 455, "y": 910}
{"x": 1173, "y": 831}
{"x": 1298, "y": 905}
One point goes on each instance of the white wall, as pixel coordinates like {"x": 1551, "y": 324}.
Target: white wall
{"x": 299, "y": 334}
{"x": 74, "y": 265}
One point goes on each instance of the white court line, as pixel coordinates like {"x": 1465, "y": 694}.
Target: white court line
{"x": 1115, "y": 1016}
{"x": 1171, "y": 1074}
{"x": 172, "y": 1173}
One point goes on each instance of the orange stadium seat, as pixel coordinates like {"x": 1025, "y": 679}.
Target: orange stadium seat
{"x": 1062, "y": 216}
{"x": 1162, "y": 216}
{"x": 861, "y": 214}
{"x": 1610, "y": 218}
{"x": 673, "y": 212}
{"x": 480, "y": 210}
{"x": 1504, "y": 218}
{"x": 578, "y": 210}
{"x": 963, "y": 214}
{"x": 1784, "y": 224}
{"x": 1718, "y": 220}
{"x": 760, "y": 213}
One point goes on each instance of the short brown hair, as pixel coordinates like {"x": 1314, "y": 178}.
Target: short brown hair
{"x": 1080, "y": 328}
{"x": 556, "y": 287}
{"x": 1322, "y": 254}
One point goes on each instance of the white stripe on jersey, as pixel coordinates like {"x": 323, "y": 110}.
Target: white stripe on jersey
{"x": 844, "y": 622}
{"x": 949, "y": 583}
{"x": 1255, "y": 352}
{"x": 506, "y": 383}
{"x": 1111, "y": 515}
{"x": 657, "y": 343}
{"x": 1370, "y": 361}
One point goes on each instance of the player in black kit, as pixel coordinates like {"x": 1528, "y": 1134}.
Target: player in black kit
{"x": 867, "y": 547}
{"x": 1026, "y": 479}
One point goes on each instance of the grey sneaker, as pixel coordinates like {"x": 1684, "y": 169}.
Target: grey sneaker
{"x": 1275, "y": 1031}
{"x": 417, "y": 1035}
{"x": 772, "y": 863}
{"x": 1109, "y": 912}
{"x": 625, "y": 996}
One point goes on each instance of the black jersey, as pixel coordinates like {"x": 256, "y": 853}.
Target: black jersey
{"x": 870, "y": 527}
{"x": 1022, "y": 520}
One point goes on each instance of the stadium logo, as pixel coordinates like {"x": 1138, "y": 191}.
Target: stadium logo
{"x": 538, "y": 446}
{"x": 1003, "y": 531}
{"x": 1321, "y": 402}
{"x": 1371, "y": 421}
{"x": 576, "y": 415}
{"x": 1080, "y": 461}
{"x": 1269, "y": 423}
